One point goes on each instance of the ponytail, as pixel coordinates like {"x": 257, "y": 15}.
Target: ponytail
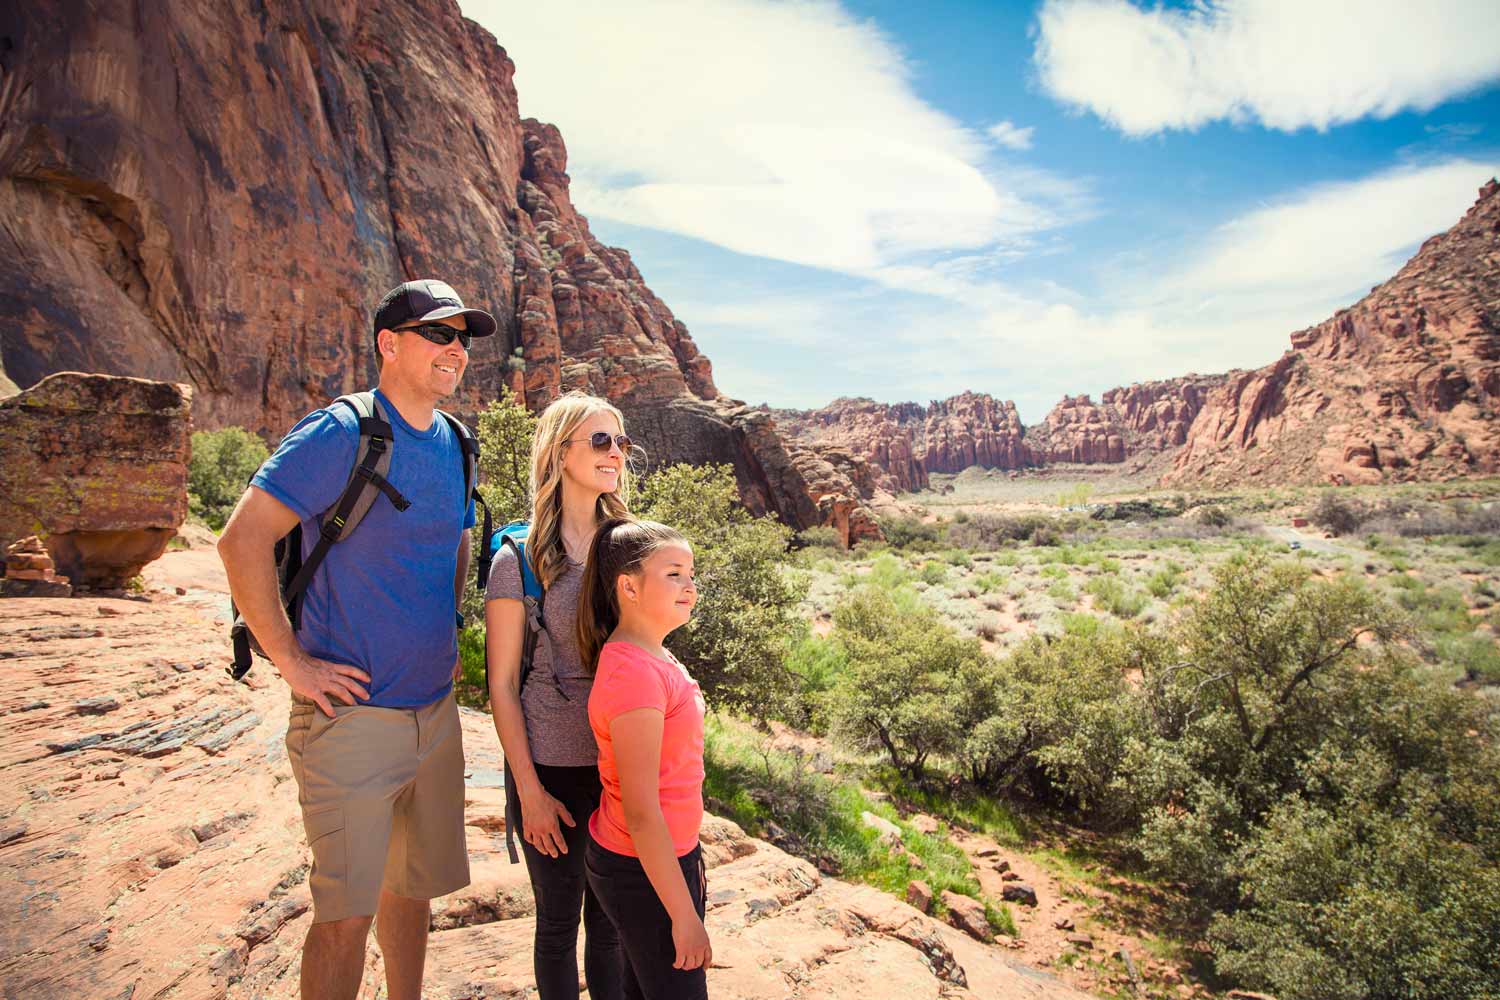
{"x": 620, "y": 546}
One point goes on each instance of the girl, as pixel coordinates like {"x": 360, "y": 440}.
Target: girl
{"x": 643, "y": 859}
{"x": 579, "y": 478}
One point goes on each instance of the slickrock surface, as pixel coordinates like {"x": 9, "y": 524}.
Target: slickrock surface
{"x": 150, "y": 844}
{"x": 1404, "y": 385}
{"x": 97, "y": 465}
{"x": 217, "y": 194}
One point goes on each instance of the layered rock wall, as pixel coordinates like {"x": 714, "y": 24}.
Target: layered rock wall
{"x": 1404, "y": 385}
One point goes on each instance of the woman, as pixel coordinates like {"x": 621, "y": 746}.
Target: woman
{"x": 579, "y": 478}
{"x": 644, "y": 862}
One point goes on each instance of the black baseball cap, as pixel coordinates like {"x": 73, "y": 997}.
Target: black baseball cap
{"x": 428, "y": 299}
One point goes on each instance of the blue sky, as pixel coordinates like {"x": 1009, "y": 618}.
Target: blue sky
{"x": 905, "y": 201}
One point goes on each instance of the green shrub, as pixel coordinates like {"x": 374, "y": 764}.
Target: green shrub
{"x": 911, "y": 533}
{"x": 901, "y": 690}
{"x": 747, "y": 602}
{"x": 1476, "y": 654}
{"x": 470, "y": 689}
{"x": 1164, "y": 581}
{"x": 220, "y": 468}
{"x": 989, "y": 532}
{"x": 1111, "y": 594}
{"x": 820, "y": 536}
{"x": 818, "y": 665}
{"x": 933, "y": 573}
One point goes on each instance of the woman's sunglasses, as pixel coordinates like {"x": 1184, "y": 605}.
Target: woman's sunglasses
{"x": 439, "y": 333}
{"x": 599, "y": 441}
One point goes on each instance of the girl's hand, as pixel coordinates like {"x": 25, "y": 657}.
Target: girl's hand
{"x": 690, "y": 938}
{"x": 540, "y": 814}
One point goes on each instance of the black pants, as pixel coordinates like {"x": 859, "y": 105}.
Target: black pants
{"x": 560, "y": 888}
{"x": 643, "y": 924}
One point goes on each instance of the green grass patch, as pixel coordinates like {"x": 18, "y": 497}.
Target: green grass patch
{"x": 1112, "y": 595}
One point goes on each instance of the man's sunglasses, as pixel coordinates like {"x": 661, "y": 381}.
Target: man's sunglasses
{"x": 439, "y": 333}
{"x": 600, "y": 441}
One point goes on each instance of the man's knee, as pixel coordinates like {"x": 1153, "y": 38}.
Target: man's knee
{"x": 341, "y": 935}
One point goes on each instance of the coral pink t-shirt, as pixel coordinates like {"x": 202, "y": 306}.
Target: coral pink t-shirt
{"x": 629, "y": 678}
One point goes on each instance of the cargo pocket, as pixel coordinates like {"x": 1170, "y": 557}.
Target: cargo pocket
{"x": 325, "y": 838}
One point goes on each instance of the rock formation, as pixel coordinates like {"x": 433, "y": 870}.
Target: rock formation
{"x": 96, "y": 465}
{"x": 904, "y": 442}
{"x": 30, "y": 571}
{"x": 218, "y": 194}
{"x": 150, "y": 838}
{"x": 1078, "y": 431}
{"x": 1403, "y": 385}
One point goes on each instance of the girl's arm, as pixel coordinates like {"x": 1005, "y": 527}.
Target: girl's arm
{"x": 505, "y": 623}
{"x": 636, "y": 736}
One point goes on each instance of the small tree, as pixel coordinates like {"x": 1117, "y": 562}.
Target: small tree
{"x": 902, "y": 690}
{"x": 506, "y": 432}
{"x": 220, "y": 468}
{"x": 746, "y": 616}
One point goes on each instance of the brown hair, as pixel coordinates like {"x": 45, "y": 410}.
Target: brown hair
{"x": 544, "y": 547}
{"x": 619, "y": 547}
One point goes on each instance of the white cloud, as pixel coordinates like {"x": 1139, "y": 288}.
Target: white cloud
{"x": 938, "y": 329}
{"x": 1284, "y": 63}
{"x": 1321, "y": 247}
{"x": 783, "y": 130}
{"x": 1010, "y": 135}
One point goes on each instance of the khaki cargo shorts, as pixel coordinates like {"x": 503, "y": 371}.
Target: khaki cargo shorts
{"x": 382, "y": 795}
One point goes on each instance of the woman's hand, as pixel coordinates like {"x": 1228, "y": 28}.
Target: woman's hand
{"x": 540, "y": 816}
{"x": 690, "y": 939}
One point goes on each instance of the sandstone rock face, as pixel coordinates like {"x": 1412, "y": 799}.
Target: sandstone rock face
{"x": 904, "y": 442}
{"x": 1078, "y": 431}
{"x": 1404, "y": 385}
{"x": 219, "y": 194}
{"x": 97, "y": 465}
{"x": 1156, "y": 416}
{"x": 156, "y": 849}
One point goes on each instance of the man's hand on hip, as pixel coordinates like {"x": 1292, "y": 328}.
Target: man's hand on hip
{"x": 323, "y": 681}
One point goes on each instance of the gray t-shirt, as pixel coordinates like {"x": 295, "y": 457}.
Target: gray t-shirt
{"x": 555, "y": 700}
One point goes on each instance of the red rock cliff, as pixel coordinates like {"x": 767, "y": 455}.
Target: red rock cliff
{"x": 217, "y": 194}
{"x": 1404, "y": 385}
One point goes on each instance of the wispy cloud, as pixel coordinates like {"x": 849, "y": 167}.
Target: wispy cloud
{"x": 936, "y": 329}
{"x": 783, "y": 130}
{"x": 1010, "y": 135}
{"x": 1284, "y": 65}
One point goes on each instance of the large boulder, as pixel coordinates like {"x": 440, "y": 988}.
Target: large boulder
{"x": 97, "y": 465}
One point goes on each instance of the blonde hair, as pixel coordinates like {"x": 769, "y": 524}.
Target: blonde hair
{"x": 544, "y": 544}
{"x": 621, "y": 545}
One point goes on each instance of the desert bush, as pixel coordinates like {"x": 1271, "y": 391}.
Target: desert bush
{"x": 933, "y": 573}
{"x": 900, "y": 692}
{"x": 219, "y": 469}
{"x": 1339, "y": 514}
{"x": 820, "y": 536}
{"x": 988, "y": 532}
{"x": 911, "y": 533}
{"x": 747, "y": 601}
{"x": 1112, "y": 595}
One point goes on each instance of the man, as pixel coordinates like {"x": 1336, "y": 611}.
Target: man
{"x": 373, "y": 739}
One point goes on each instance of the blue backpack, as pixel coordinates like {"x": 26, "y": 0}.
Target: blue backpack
{"x": 533, "y": 598}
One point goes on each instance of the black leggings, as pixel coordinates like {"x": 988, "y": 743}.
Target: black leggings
{"x": 560, "y": 888}
{"x": 643, "y": 924}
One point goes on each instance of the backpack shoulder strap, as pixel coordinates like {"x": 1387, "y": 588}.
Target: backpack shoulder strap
{"x": 372, "y": 461}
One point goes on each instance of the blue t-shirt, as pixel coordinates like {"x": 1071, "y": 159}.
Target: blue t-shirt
{"x": 383, "y": 598}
